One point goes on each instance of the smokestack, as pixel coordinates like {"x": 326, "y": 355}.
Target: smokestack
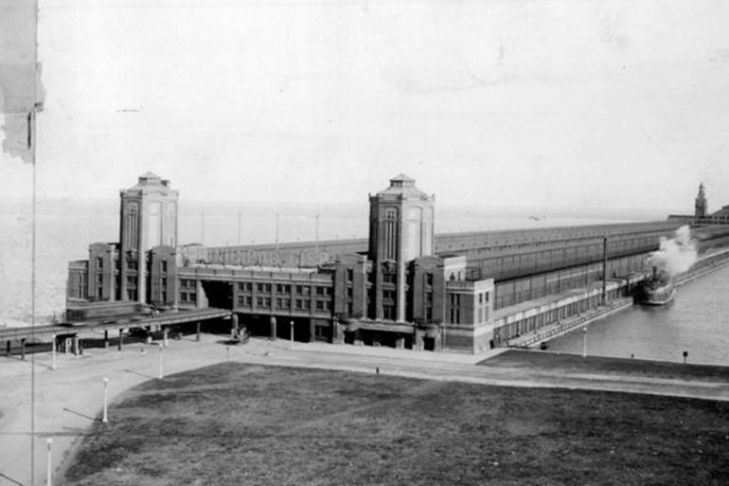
{"x": 675, "y": 255}
{"x": 604, "y": 269}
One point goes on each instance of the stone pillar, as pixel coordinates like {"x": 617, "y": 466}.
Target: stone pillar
{"x": 22, "y": 348}
{"x": 272, "y": 324}
{"x": 400, "y": 343}
{"x": 75, "y": 345}
{"x": 201, "y": 301}
{"x": 234, "y": 330}
{"x": 121, "y": 339}
{"x": 438, "y": 341}
{"x": 418, "y": 340}
{"x": 337, "y": 332}
{"x": 142, "y": 266}
{"x": 165, "y": 336}
{"x": 401, "y": 294}
{"x": 197, "y": 330}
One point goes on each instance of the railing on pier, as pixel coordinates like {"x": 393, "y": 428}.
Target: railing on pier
{"x": 547, "y": 332}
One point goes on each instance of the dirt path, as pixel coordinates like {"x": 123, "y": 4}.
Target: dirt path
{"x": 69, "y": 399}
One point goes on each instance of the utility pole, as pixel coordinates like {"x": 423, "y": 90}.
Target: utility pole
{"x": 316, "y": 251}
{"x": 161, "y": 362}
{"x": 202, "y": 228}
{"x": 53, "y": 352}
{"x": 240, "y": 237}
{"x": 278, "y": 255}
{"x": 105, "y": 417}
{"x": 49, "y": 467}
{"x": 604, "y": 270}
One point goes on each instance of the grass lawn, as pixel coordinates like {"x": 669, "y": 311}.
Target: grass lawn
{"x": 235, "y": 424}
{"x": 571, "y": 363}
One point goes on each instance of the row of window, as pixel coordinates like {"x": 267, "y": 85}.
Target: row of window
{"x": 528, "y": 324}
{"x": 188, "y": 297}
{"x": 283, "y": 303}
{"x": 284, "y": 288}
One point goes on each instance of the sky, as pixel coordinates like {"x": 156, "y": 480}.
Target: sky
{"x": 488, "y": 103}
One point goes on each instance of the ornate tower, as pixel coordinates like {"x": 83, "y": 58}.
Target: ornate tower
{"x": 148, "y": 219}
{"x": 700, "y": 207}
{"x": 401, "y": 230}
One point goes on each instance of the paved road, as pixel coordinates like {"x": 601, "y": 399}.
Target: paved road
{"x": 69, "y": 399}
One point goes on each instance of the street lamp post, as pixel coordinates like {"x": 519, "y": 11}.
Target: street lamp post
{"x": 584, "y": 342}
{"x": 53, "y": 352}
{"x": 161, "y": 362}
{"x": 444, "y": 336}
{"x": 49, "y": 467}
{"x": 105, "y": 417}
{"x": 291, "y": 324}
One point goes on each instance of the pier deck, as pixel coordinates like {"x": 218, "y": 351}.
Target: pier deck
{"x": 111, "y": 324}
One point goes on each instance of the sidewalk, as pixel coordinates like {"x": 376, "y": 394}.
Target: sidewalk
{"x": 383, "y": 351}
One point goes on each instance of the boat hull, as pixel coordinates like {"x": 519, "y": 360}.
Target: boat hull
{"x": 658, "y": 299}
{"x": 658, "y": 296}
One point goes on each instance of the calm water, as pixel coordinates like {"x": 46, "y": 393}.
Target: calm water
{"x": 697, "y": 322}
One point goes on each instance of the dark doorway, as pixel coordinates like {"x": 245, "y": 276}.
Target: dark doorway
{"x": 259, "y": 326}
{"x": 219, "y": 294}
{"x": 351, "y": 337}
{"x": 301, "y": 328}
{"x": 428, "y": 343}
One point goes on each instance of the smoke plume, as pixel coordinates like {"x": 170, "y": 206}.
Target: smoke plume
{"x": 675, "y": 255}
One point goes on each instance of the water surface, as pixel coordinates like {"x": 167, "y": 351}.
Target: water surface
{"x": 697, "y": 321}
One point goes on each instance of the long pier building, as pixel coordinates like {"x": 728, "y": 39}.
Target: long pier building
{"x": 403, "y": 286}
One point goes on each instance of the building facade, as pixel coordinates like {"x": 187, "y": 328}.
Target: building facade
{"x": 142, "y": 266}
{"x": 701, "y": 214}
{"x": 403, "y": 287}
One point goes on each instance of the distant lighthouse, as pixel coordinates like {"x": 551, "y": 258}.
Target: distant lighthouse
{"x": 700, "y": 205}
